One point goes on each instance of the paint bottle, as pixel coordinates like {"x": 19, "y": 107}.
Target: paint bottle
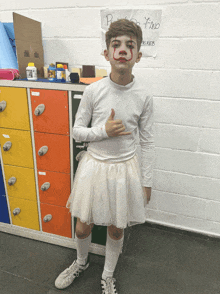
{"x": 52, "y": 72}
{"x": 67, "y": 73}
{"x": 31, "y": 72}
{"x": 61, "y": 77}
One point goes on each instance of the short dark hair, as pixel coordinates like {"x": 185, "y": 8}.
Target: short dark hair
{"x": 124, "y": 27}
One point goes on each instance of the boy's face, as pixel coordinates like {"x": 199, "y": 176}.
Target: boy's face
{"x": 122, "y": 53}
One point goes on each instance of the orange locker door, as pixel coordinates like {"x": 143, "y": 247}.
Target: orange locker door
{"x": 54, "y": 188}
{"x": 50, "y": 111}
{"x": 56, "y": 220}
{"x": 57, "y": 156}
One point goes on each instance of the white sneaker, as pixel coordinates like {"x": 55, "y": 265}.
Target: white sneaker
{"x": 68, "y": 275}
{"x": 108, "y": 286}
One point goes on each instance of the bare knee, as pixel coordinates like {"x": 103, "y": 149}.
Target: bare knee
{"x": 115, "y": 233}
{"x": 83, "y": 230}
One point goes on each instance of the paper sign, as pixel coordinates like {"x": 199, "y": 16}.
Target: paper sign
{"x": 6, "y": 136}
{"x": 148, "y": 19}
{"x": 42, "y": 173}
{"x": 35, "y": 93}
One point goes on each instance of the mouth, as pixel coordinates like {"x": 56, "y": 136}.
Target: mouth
{"x": 122, "y": 60}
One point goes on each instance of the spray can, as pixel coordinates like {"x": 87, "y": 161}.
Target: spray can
{"x": 31, "y": 72}
{"x": 61, "y": 77}
{"x": 52, "y": 72}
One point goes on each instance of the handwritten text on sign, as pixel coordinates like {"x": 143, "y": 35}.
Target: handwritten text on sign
{"x": 148, "y": 20}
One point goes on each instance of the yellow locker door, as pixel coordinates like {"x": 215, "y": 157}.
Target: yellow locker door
{"x": 15, "y": 115}
{"x": 20, "y": 147}
{"x": 24, "y": 213}
{"x": 20, "y": 182}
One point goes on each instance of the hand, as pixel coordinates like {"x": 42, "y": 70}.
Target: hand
{"x": 115, "y": 128}
{"x": 148, "y": 193}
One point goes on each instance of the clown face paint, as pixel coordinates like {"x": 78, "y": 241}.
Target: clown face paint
{"x": 123, "y": 52}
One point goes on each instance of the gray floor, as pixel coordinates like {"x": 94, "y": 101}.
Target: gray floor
{"x": 155, "y": 260}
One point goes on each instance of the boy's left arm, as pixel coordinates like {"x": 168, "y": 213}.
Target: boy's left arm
{"x": 147, "y": 146}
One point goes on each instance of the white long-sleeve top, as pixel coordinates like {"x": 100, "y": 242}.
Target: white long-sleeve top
{"x": 134, "y": 106}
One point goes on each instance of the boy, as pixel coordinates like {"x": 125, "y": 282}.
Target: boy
{"x": 109, "y": 188}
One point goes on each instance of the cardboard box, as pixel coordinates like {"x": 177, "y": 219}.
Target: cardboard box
{"x": 29, "y": 47}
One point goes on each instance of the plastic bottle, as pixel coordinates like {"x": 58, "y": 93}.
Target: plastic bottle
{"x": 61, "y": 77}
{"x": 52, "y": 72}
{"x": 67, "y": 73}
{"x": 31, "y": 72}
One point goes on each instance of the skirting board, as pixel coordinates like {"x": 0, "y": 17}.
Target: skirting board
{"x": 48, "y": 238}
{"x": 186, "y": 230}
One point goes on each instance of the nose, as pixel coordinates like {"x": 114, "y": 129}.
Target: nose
{"x": 123, "y": 52}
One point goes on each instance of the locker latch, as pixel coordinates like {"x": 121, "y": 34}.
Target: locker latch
{"x": 2, "y": 105}
{"x": 43, "y": 150}
{"x": 16, "y": 211}
{"x": 45, "y": 186}
{"x": 47, "y": 218}
{"x": 39, "y": 109}
{"x": 7, "y": 146}
{"x": 12, "y": 181}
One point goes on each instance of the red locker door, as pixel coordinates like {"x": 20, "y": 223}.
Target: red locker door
{"x": 54, "y": 188}
{"x": 55, "y": 116}
{"x": 56, "y": 220}
{"x": 57, "y": 158}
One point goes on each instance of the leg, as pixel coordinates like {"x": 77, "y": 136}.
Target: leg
{"x": 82, "y": 229}
{"x": 83, "y": 241}
{"x": 114, "y": 243}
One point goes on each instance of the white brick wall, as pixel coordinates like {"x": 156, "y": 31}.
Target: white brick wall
{"x": 185, "y": 81}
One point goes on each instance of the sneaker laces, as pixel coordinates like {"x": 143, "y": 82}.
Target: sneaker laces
{"x": 109, "y": 287}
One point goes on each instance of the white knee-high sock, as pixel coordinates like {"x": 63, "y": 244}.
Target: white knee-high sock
{"x": 82, "y": 246}
{"x": 113, "y": 249}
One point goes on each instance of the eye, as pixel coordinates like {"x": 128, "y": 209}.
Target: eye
{"x": 115, "y": 45}
{"x": 130, "y": 46}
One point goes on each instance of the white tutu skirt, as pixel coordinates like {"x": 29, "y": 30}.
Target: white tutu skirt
{"x": 106, "y": 193}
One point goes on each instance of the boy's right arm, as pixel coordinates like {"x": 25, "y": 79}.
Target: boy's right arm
{"x": 81, "y": 132}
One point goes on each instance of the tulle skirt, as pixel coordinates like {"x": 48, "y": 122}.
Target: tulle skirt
{"x": 106, "y": 193}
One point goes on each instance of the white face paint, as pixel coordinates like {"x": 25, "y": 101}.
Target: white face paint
{"x": 123, "y": 47}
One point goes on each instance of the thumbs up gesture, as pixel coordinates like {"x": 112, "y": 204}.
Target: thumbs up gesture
{"x": 115, "y": 128}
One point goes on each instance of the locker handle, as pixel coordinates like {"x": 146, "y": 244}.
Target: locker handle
{"x": 16, "y": 211}
{"x": 3, "y": 105}
{"x": 7, "y": 146}
{"x": 12, "y": 181}
{"x": 39, "y": 109}
{"x": 47, "y": 218}
{"x": 43, "y": 150}
{"x": 45, "y": 186}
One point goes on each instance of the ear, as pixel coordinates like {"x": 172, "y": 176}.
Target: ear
{"x": 139, "y": 57}
{"x": 106, "y": 55}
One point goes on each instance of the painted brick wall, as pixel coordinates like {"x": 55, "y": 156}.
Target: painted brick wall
{"x": 185, "y": 81}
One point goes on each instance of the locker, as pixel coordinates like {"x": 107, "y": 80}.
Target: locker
{"x": 20, "y": 182}
{"x": 99, "y": 233}
{"x": 24, "y": 213}
{"x": 20, "y": 151}
{"x": 4, "y": 216}
{"x": 56, "y": 220}
{"x": 50, "y": 111}
{"x": 54, "y": 188}
{"x": 15, "y": 115}
{"x": 57, "y": 157}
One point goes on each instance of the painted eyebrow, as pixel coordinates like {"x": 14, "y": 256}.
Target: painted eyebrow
{"x": 129, "y": 41}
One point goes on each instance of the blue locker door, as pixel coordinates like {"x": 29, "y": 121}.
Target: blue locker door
{"x": 4, "y": 217}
